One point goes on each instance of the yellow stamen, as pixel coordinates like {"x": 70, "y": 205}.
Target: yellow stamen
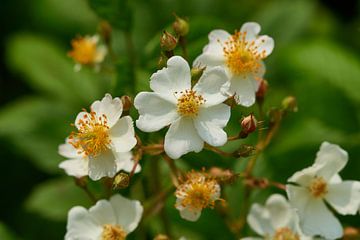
{"x": 113, "y": 232}
{"x": 189, "y": 103}
{"x": 318, "y": 187}
{"x": 84, "y": 50}
{"x": 285, "y": 234}
{"x": 241, "y": 55}
{"x": 92, "y": 137}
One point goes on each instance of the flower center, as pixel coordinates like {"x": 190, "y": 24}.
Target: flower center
{"x": 113, "y": 232}
{"x": 241, "y": 55}
{"x": 318, "y": 187}
{"x": 92, "y": 137}
{"x": 285, "y": 234}
{"x": 189, "y": 103}
{"x": 84, "y": 50}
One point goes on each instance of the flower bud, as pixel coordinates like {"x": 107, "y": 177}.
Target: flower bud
{"x": 167, "y": 41}
{"x": 121, "y": 181}
{"x": 263, "y": 87}
{"x": 162, "y": 61}
{"x": 180, "y": 26}
{"x": 244, "y": 151}
{"x": 105, "y": 30}
{"x": 221, "y": 175}
{"x": 248, "y": 125}
{"x": 81, "y": 182}
{"x": 127, "y": 102}
{"x": 290, "y": 104}
{"x": 196, "y": 73}
{"x": 161, "y": 237}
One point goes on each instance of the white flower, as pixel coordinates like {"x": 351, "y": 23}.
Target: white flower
{"x": 101, "y": 146}
{"x": 195, "y": 114}
{"x": 320, "y": 183}
{"x": 275, "y": 221}
{"x": 106, "y": 220}
{"x": 195, "y": 194}
{"x": 241, "y": 56}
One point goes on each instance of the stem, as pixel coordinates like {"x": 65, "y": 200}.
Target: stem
{"x": 233, "y": 138}
{"x": 182, "y": 42}
{"x": 80, "y": 182}
{"x": 218, "y": 151}
{"x": 175, "y": 173}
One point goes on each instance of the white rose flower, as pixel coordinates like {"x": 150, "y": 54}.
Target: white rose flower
{"x": 106, "y": 220}
{"x": 195, "y": 114}
{"x": 241, "y": 56}
{"x": 320, "y": 183}
{"x": 275, "y": 221}
{"x": 101, "y": 146}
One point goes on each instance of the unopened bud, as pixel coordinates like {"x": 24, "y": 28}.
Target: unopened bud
{"x": 245, "y": 150}
{"x": 196, "y": 73}
{"x": 121, "y": 181}
{"x": 105, "y": 31}
{"x": 167, "y": 41}
{"x": 181, "y": 26}
{"x": 263, "y": 87}
{"x": 161, "y": 237}
{"x": 221, "y": 175}
{"x": 81, "y": 182}
{"x": 290, "y": 104}
{"x": 248, "y": 125}
{"x": 162, "y": 61}
{"x": 127, "y": 102}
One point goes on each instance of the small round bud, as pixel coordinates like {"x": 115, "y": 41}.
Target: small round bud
{"x": 196, "y": 73}
{"x": 290, "y": 104}
{"x": 167, "y": 41}
{"x": 263, "y": 87}
{"x": 121, "y": 181}
{"x": 127, "y": 102}
{"x": 248, "y": 125}
{"x": 180, "y": 26}
{"x": 161, "y": 237}
{"x": 81, "y": 182}
{"x": 245, "y": 150}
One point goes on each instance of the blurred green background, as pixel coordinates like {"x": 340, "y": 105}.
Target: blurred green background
{"x": 316, "y": 58}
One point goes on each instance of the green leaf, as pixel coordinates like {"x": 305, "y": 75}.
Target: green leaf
{"x": 54, "y": 198}
{"x": 46, "y": 68}
{"x": 5, "y": 233}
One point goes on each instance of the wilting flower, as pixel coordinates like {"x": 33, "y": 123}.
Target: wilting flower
{"x": 275, "y": 221}
{"x": 87, "y": 51}
{"x": 320, "y": 183}
{"x": 106, "y": 220}
{"x": 195, "y": 194}
{"x": 100, "y": 146}
{"x": 195, "y": 114}
{"x": 241, "y": 55}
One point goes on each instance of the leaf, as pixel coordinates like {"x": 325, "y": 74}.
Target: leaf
{"x": 5, "y": 233}
{"x": 54, "y": 198}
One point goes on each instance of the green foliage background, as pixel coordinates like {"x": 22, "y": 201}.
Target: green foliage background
{"x": 316, "y": 58}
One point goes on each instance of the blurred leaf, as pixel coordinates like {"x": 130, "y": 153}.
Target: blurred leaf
{"x": 46, "y": 68}
{"x": 54, "y": 198}
{"x": 5, "y": 233}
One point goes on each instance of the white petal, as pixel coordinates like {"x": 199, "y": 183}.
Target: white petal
{"x": 244, "y": 89}
{"x": 182, "y": 138}
{"x": 102, "y": 166}
{"x": 67, "y": 150}
{"x": 332, "y": 158}
{"x": 128, "y": 212}
{"x": 101, "y": 52}
{"x": 122, "y": 135}
{"x": 259, "y": 220}
{"x": 209, "y": 124}
{"x": 315, "y": 218}
{"x": 81, "y": 116}
{"x": 305, "y": 176}
{"x": 190, "y": 215}
{"x": 155, "y": 112}
{"x": 219, "y": 35}
{"x": 252, "y": 29}
{"x": 344, "y": 197}
{"x": 103, "y": 212}
{"x": 265, "y": 45}
{"x": 124, "y": 161}
{"x": 81, "y": 225}
{"x": 175, "y": 77}
{"x": 111, "y": 108}
{"x": 75, "y": 167}
{"x": 280, "y": 211}
{"x": 212, "y": 85}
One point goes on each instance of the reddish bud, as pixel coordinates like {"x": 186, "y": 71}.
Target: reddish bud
{"x": 168, "y": 42}
{"x": 263, "y": 87}
{"x": 127, "y": 102}
{"x": 248, "y": 125}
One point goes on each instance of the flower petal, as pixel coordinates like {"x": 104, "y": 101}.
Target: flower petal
{"x": 265, "y": 45}
{"x": 244, "y": 90}
{"x": 332, "y": 158}
{"x": 280, "y": 211}
{"x": 122, "y": 135}
{"x": 128, "y": 212}
{"x": 252, "y": 29}
{"x": 190, "y": 215}
{"x": 102, "y": 166}
{"x": 81, "y": 225}
{"x": 305, "y": 176}
{"x": 344, "y": 197}
{"x": 155, "y": 112}
{"x": 67, "y": 150}
{"x": 209, "y": 124}
{"x": 175, "y": 77}
{"x": 182, "y": 138}
{"x": 259, "y": 220}
{"x": 103, "y": 212}
{"x": 111, "y": 108}
{"x": 124, "y": 161}
{"x": 213, "y": 85}
{"x": 75, "y": 167}
{"x": 81, "y": 116}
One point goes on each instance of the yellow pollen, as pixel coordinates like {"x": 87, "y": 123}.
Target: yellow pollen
{"x": 113, "y": 232}
{"x": 318, "y": 187}
{"x": 198, "y": 192}
{"x": 241, "y": 55}
{"x": 84, "y": 50}
{"x": 189, "y": 103}
{"x": 92, "y": 137}
{"x": 285, "y": 234}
